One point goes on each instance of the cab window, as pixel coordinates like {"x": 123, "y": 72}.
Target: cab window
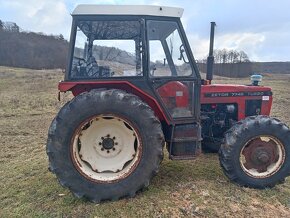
{"x": 168, "y": 56}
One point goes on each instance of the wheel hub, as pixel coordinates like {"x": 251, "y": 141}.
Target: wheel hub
{"x": 108, "y": 143}
{"x": 263, "y": 157}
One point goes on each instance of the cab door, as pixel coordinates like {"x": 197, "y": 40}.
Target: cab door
{"x": 176, "y": 83}
{"x": 172, "y": 71}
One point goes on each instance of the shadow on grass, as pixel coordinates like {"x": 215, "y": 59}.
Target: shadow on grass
{"x": 204, "y": 167}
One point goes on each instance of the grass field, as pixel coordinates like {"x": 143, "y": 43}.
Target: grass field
{"x": 28, "y": 103}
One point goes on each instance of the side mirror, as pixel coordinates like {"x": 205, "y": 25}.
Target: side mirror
{"x": 152, "y": 69}
{"x": 182, "y": 57}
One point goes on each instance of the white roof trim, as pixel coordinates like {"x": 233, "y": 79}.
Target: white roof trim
{"x": 151, "y": 10}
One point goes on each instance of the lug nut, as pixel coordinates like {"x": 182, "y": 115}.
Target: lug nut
{"x": 108, "y": 151}
{"x": 114, "y": 149}
{"x": 100, "y": 143}
{"x": 108, "y": 136}
{"x": 102, "y": 149}
{"x": 114, "y": 138}
{"x": 116, "y": 143}
{"x": 102, "y": 138}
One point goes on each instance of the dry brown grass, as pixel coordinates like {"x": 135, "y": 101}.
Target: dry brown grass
{"x": 28, "y": 103}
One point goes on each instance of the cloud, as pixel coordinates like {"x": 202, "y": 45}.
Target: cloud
{"x": 52, "y": 21}
{"x": 199, "y": 46}
{"x": 248, "y": 42}
{"x": 51, "y": 17}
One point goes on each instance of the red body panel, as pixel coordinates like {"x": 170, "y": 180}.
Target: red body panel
{"x": 235, "y": 97}
{"x": 210, "y": 94}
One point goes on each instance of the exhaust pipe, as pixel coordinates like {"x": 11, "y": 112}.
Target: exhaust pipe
{"x": 210, "y": 58}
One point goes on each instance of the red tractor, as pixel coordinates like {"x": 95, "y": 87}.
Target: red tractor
{"x": 137, "y": 89}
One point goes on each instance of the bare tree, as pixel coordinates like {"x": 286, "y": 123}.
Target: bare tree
{"x": 243, "y": 57}
{"x": 230, "y": 63}
{"x": 11, "y": 27}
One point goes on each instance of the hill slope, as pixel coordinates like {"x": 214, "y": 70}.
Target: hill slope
{"x": 32, "y": 50}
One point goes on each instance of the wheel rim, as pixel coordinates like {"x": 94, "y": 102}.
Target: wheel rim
{"x": 262, "y": 156}
{"x": 106, "y": 148}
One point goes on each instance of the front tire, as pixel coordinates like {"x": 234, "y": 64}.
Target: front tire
{"x": 105, "y": 145}
{"x": 256, "y": 152}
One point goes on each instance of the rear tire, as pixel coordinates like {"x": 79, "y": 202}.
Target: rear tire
{"x": 105, "y": 145}
{"x": 256, "y": 152}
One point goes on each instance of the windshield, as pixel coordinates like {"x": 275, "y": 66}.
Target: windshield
{"x": 107, "y": 49}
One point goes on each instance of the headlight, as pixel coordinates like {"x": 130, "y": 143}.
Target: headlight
{"x": 256, "y": 79}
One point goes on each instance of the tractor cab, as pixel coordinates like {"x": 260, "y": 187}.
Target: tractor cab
{"x": 145, "y": 53}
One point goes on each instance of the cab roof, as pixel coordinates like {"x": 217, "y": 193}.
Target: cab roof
{"x": 151, "y": 10}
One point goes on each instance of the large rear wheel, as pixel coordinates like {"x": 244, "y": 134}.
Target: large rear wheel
{"x": 256, "y": 152}
{"x": 105, "y": 145}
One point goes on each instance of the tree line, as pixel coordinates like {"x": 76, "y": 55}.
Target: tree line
{"x": 31, "y": 50}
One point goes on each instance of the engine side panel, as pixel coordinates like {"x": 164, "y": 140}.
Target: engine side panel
{"x": 241, "y": 95}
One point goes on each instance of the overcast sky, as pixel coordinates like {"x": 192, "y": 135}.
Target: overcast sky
{"x": 259, "y": 27}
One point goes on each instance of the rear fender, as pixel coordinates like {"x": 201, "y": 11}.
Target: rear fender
{"x": 79, "y": 87}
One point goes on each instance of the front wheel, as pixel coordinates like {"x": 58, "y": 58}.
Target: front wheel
{"x": 256, "y": 152}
